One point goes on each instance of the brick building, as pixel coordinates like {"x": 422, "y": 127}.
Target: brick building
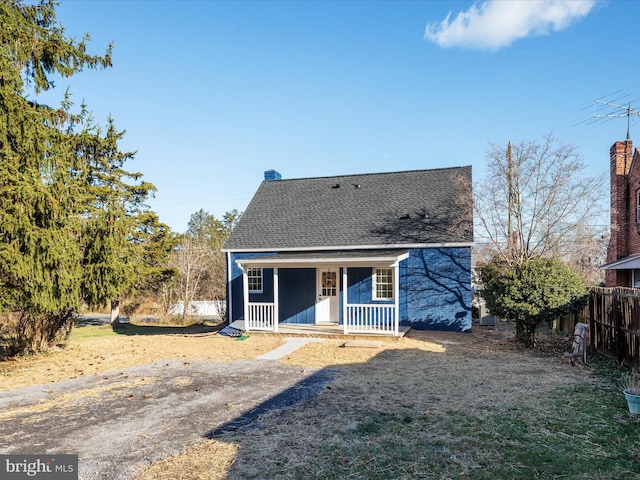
{"x": 623, "y": 255}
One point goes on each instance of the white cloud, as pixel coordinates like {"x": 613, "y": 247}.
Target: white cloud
{"x": 493, "y": 24}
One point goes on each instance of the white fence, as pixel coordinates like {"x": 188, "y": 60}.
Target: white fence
{"x": 200, "y": 307}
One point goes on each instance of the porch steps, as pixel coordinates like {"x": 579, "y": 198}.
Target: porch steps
{"x": 307, "y": 331}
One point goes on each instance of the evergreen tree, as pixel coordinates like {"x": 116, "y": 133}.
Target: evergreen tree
{"x": 111, "y": 215}
{"x": 67, "y": 208}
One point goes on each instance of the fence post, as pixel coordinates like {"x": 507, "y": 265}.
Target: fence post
{"x": 592, "y": 319}
{"x": 617, "y": 321}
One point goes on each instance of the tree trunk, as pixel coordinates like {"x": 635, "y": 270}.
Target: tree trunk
{"x": 115, "y": 314}
{"x": 525, "y": 333}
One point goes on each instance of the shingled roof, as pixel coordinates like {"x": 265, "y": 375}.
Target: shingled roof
{"x": 418, "y": 207}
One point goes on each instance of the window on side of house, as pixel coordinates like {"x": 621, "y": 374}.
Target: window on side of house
{"x": 638, "y": 206}
{"x": 254, "y": 277}
{"x": 635, "y": 278}
{"x": 383, "y": 284}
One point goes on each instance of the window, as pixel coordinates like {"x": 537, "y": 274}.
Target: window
{"x": 329, "y": 284}
{"x": 635, "y": 281}
{"x": 383, "y": 284}
{"x": 638, "y": 206}
{"x": 254, "y": 276}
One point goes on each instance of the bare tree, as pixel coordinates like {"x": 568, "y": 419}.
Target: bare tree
{"x": 536, "y": 201}
{"x": 211, "y": 233}
{"x": 200, "y": 261}
{"x": 190, "y": 258}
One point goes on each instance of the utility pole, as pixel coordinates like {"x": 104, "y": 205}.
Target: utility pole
{"x": 511, "y": 202}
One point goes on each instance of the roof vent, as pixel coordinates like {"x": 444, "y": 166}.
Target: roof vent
{"x": 337, "y": 185}
{"x": 272, "y": 175}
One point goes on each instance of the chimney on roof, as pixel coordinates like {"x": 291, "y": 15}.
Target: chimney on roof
{"x": 272, "y": 175}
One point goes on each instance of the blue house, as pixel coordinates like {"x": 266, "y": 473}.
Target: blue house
{"x": 370, "y": 253}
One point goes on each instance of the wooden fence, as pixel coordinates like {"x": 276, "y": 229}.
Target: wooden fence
{"x": 613, "y": 316}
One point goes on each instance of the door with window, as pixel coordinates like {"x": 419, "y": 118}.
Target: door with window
{"x": 328, "y": 298}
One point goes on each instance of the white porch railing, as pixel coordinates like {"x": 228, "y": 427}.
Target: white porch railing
{"x": 371, "y": 319}
{"x": 260, "y": 316}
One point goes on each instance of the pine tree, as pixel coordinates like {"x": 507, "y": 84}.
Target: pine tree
{"x": 66, "y": 204}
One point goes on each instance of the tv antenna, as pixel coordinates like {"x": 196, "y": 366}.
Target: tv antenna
{"x": 606, "y": 109}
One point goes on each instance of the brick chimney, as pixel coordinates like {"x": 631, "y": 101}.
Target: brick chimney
{"x": 620, "y": 156}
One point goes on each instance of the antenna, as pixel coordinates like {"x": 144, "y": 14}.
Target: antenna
{"x": 617, "y": 111}
{"x": 612, "y": 106}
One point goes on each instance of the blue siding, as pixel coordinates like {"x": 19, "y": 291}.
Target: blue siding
{"x": 359, "y": 290}
{"x": 435, "y": 290}
{"x": 361, "y": 286}
{"x": 438, "y": 289}
{"x": 297, "y": 288}
{"x": 235, "y": 308}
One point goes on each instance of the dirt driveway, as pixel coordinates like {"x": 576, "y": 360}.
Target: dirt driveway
{"x": 126, "y": 419}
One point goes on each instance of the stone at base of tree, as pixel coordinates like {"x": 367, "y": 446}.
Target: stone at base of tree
{"x": 578, "y": 353}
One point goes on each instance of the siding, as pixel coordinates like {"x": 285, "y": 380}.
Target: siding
{"x": 298, "y": 290}
{"x": 435, "y": 290}
{"x": 359, "y": 290}
{"x": 438, "y": 289}
{"x": 235, "y": 305}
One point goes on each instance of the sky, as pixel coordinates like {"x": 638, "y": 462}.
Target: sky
{"x": 213, "y": 93}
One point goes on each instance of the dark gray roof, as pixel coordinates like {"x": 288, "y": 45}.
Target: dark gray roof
{"x": 370, "y": 210}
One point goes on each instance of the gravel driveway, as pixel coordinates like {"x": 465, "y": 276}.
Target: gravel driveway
{"x": 130, "y": 418}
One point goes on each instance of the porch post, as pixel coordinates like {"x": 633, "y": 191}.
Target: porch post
{"x": 245, "y": 297}
{"x": 345, "y": 288}
{"x": 396, "y": 297}
{"x": 276, "y": 300}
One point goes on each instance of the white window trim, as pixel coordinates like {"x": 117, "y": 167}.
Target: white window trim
{"x": 260, "y": 271}
{"x": 374, "y": 284}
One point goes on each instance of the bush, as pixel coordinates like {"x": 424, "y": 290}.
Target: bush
{"x": 534, "y": 293}
{"x": 28, "y": 332}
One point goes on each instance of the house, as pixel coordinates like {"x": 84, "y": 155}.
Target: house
{"x": 623, "y": 254}
{"x": 371, "y": 253}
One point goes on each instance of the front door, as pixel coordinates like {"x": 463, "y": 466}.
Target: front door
{"x": 328, "y": 303}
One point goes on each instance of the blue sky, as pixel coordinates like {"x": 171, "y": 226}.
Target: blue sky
{"x": 213, "y": 93}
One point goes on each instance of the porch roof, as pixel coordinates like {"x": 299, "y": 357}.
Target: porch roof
{"x": 627, "y": 263}
{"x": 368, "y": 258}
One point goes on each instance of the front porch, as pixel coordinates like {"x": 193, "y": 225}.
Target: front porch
{"x": 345, "y": 293}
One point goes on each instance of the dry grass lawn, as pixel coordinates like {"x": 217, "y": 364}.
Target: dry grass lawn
{"x": 416, "y": 407}
{"x": 93, "y": 350}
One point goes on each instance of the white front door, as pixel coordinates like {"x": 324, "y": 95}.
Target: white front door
{"x": 328, "y": 302}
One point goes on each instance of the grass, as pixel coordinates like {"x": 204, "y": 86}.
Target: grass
{"x": 434, "y": 405}
{"x": 479, "y": 410}
{"x": 93, "y": 350}
{"x": 91, "y": 331}
{"x": 573, "y": 432}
